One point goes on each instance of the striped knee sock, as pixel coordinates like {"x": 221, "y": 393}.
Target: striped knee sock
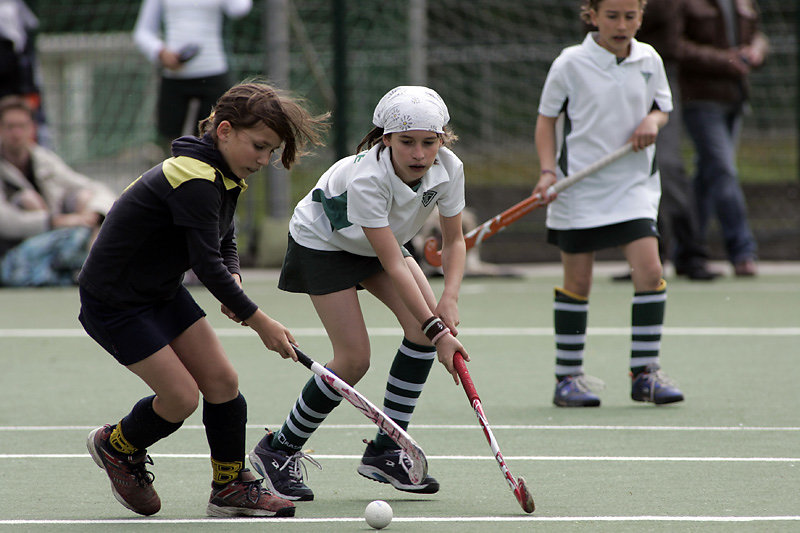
{"x": 315, "y": 403}
{"x": 570, "y": 313}
{"x": 647, "y": 323}
{"x": 408, "y": 374}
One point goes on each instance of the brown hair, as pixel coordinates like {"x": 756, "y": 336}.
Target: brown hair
{"x": 376, "y": 135}
{"x": 13, "y": 101}
{"x": 250, "y": 102}
{"x": 589, "y": 5}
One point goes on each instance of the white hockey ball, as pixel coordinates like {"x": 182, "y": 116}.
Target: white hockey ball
{"x": 378, "y": 514}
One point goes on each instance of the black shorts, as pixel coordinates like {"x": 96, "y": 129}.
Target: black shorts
{"x": 174, "y": 96}
{"x": 323, "y": 272}
{"x": 132, "y": 334}
{"x": 576, "y": 241}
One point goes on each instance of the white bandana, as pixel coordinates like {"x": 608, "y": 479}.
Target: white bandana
{"x": 411, "y": 107}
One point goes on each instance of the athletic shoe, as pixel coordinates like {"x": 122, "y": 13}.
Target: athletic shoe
{"x": 391, "y": 466}
{"x": 246, "y": 497}
{"x": 283, "y": 473}
{"x": 654, "y": 386}
{"x": 131, "y": 482}
{"x": 576, "y": 391}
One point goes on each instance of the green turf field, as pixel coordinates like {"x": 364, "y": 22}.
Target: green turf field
{"x": 727, "y": 459}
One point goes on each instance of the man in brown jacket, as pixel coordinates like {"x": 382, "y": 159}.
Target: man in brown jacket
{"x": 719, "y": 44}
{"x": 684, "y": 245}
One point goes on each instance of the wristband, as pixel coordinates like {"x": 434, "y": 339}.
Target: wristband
{"x": 434, "y": 329}
{"x": 548, "y": 171}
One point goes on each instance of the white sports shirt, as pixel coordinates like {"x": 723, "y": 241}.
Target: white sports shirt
{"x": 187, "y": 22}
{"x": 363, "y": 191}
{"x": 603, "y": 102}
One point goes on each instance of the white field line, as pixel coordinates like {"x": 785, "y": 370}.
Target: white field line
{"x": 468, "y": 427}
{"x": 540, "y": 458}
{"x": 35, "y": 333}
{"x": 283, "y": 522}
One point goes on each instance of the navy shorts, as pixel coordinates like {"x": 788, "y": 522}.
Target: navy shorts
{"x": 576, "y": 241}
{"x": 132, "y": 334}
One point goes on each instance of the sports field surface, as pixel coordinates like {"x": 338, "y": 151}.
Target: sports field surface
{"x": 726, "y": 459}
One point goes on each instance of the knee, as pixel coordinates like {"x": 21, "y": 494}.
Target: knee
{"x": 223, "y": 387}
{"x": 352, "y": 367}
{"x": 648, "y": 278}
{"x": 179, "y": 404}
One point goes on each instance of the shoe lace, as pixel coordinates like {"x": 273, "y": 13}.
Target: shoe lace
{"x": 297, "y": 469}
{"x": 403, "y": 459}
{"x": 660, "y": 378}
{"x": 139, "y": 470}
{"x": 586, "y": 383}
{"x": 253, "y": 489}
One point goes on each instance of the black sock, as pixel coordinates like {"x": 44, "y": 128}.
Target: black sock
{"x": 143, "y": 427}
{"x": 225, "y": 430}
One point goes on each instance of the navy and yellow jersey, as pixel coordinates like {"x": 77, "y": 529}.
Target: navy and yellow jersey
{"x": 177, "y": 215}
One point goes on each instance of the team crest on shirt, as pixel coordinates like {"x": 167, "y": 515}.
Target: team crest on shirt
{"x": 427, "y": 197}
{"x": 646, "y": 76}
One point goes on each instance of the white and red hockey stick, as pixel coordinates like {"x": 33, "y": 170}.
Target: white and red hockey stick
{"x": 519, "y": 487}
{"x": 419, "y": 464}
{"x": 434, "y": 256}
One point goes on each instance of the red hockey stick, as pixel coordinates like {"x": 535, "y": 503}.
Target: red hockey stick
{"x": 518, "y": 486}
{"x": 434, "y": 256}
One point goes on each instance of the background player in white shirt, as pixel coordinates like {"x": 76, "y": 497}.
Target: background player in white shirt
{"x": 347, "y": 233}
{"x": 611, "y": 89}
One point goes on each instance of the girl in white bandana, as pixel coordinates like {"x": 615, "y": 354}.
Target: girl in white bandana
{"x": 348, "y": 233}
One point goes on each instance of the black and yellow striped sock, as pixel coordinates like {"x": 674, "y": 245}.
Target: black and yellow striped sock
{"x": 647, "y": 323}
{"x": 570, "y": 315}
{"x": 141, "y": 428}
{"x": 410, "y": 368}
{"x": 315, "y": 403}
{"x": 225, "y": 425}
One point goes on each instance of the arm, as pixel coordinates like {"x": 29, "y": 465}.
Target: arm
{"x": 454, "y": 252}
{"x": 647, "y": 130}
{"x": 146, "y": 32}
{"x": 546, "y": 149}
{"x": 388, "y": 251}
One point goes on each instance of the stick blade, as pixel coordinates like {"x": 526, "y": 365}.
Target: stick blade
{"x": 524, "y": 496}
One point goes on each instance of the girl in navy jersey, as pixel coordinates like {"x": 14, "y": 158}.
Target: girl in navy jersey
{"x": 176, "y": 216}
{"x": 347, "y": 233}
{"x": 611, "y": 89}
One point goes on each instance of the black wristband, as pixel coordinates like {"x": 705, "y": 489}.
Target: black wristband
{"x": 434, "y": 329}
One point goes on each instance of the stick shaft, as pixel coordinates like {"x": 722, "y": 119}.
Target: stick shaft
{"x": 495, "y": 224}
{"x": 419, "y": 467}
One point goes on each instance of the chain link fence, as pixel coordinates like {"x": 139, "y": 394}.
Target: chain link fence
{"x": 487, "y": 58}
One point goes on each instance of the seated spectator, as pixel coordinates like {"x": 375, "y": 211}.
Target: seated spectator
{"x": 48, "y": 212}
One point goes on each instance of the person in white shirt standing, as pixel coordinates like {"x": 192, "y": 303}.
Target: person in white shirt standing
{"x": 611, "y": 89}
{"x": 346, "y": 234}
{"x": 191, "y": 54}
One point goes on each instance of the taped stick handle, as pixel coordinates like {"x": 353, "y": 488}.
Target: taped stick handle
{"x": 466, "y": 379}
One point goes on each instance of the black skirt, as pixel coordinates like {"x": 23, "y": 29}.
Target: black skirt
{"x": 576, "y": 241}
{"x": 323, "y": 272}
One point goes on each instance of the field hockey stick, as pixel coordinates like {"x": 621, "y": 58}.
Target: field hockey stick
{"x": 419, "y": 464}
{"x": 519, "y": 487}
{"x": 434, "y": 256}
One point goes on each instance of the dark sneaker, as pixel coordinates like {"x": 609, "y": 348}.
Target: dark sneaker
{"x": 654, "y": 386}
{"x": 576, "y": 391}
{"x": 391, "y": 466}
{"x": 131, "y": 482}
{"x": 246, "y": 497}
{"x": 283, "y": 473}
